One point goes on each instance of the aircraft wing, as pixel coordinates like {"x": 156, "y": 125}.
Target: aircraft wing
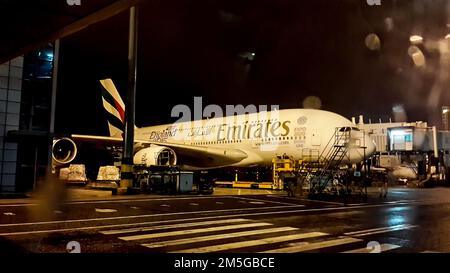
{"x": 91, "y": 138}
{"x": 188, "y": 155}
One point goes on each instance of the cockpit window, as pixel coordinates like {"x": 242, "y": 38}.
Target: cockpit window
{"x": 346, "y": 129}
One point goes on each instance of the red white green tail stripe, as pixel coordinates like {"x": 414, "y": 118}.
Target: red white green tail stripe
{"x": 114, "y": 106}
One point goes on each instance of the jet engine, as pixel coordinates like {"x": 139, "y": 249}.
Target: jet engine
{"x": 155, "y": 155}
{"x": 64, "y": 151}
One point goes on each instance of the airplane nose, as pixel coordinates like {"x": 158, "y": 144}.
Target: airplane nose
{"x": 359, "y": 154}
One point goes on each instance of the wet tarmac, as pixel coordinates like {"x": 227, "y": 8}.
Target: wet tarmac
{"x": 250, "y": 221}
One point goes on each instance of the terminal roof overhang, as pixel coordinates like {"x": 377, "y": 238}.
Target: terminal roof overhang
{"x": 27, "y": 25}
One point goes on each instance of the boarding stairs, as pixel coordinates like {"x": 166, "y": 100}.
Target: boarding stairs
{"x": 332, "y": 156}
{"x": 320, "y": 172}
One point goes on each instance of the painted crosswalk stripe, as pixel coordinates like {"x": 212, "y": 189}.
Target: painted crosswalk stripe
{"x": 194, "y": 224}
{"x": 380, "y": 230}
{"x": 383, "y": 248}
{"x": 105, "y": 210}
{"x": 314, "y": 246}
{"x": 265, "y": 241}
{"x": 218, "y": 237}
{"x": 191, "y": 231}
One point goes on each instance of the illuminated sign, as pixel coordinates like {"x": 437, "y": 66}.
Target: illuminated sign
{"x": 401, "y": 139}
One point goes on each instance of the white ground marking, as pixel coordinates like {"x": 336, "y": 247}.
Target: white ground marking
{"x": 134, "y": 207}
{"x": 298, "y": 244}
{"x": 146, "y": 200}
{"x": 199, "y": 212}
{"x": 57, "y": 211}
{"x": 194, "y": 224}
{"x": 191, "y": 231}
{"x": 264, "y": 200}
{"x": 19, "y": 205}
{"x": 383, "y": 248}
{"x": 242, "y": 244}
{"x": 107, "y": 226}
{"x": 193, "y": 204}
{"x": 256, "y": 202}
{"x": 374, "y": 229}
{"x": 379, "y": 230}
{"x": 398, "y": 192}
{"x": 357, "y": 204}
{"x": 105, "y": 210}
{"x": 164, "y": 205}
{"x": 218, "y": 237}
{"x": 314, "y": 246}
{"x": 120, "y": 201}
{"x": 250, "y": 214}
{"x": 219, "y": 203}
{"x": 402, "y": 201}
{"x": 9, "y": 213}
{"x": 302, "y": 199}
{"x": 157, "y": 215}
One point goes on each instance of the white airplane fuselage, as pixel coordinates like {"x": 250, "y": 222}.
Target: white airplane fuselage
{"x": 300, "y": 133}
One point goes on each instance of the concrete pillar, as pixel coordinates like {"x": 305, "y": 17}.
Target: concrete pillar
{"x": 126, "y": 181}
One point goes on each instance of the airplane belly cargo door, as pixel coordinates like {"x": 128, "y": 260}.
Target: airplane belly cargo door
{"x": 315, "y": 137}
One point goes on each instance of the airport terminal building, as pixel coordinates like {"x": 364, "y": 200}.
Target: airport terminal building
{"x": 25, "y": 95}
{"x": 10, "y": 97}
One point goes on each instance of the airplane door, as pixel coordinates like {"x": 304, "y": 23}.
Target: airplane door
{"x": 315, "y": 138}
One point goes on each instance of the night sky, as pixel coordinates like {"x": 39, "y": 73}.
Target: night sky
{"x": 302, "y": 48}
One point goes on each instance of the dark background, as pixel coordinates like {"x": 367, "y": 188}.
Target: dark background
{"x": 303, "y": 48}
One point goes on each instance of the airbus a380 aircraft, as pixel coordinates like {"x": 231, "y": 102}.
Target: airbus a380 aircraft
{"x": 242, "y": 140}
